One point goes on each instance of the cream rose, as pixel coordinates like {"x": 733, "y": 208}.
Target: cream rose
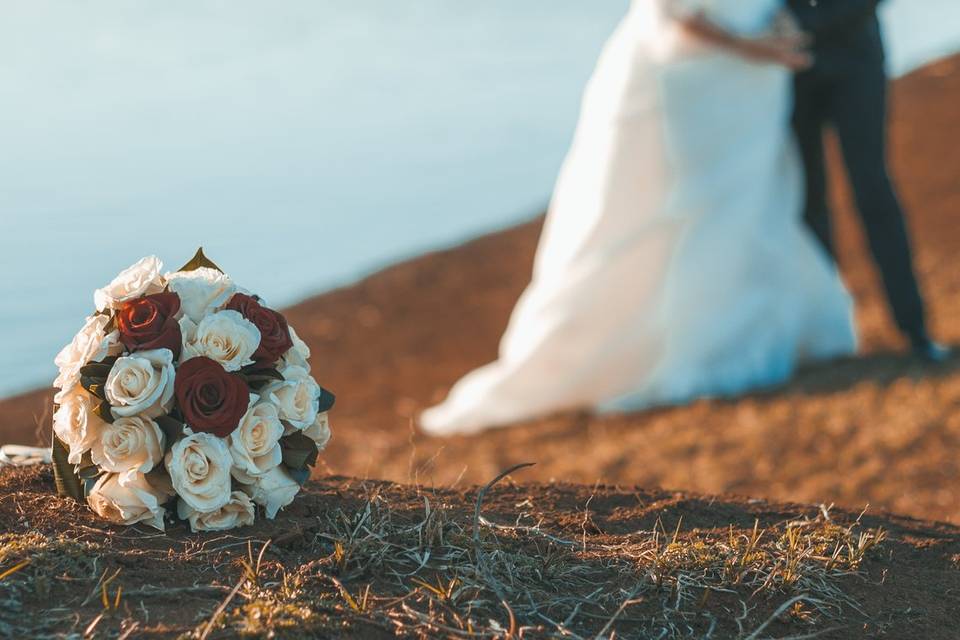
{"x": 128, "y": 498}
{"x": 273, "y": 490}
{"x": 130, "y": 443}
{"x": 238, "y": 512}
{"x": 199, "y": 467}
{"x": 141, "y": 279}
{"x": 319, "y": 431}
{"x": 141, "y": 383}
{"x": 224, "y": 336}
{"x": 75, "y": 423}
{"x": 299, "y": 354}
{"x": 297, "y": 396}
{"x": 255, "y": 443}
{"x": 92, "y": 342}
{"x": 202, "y": 291}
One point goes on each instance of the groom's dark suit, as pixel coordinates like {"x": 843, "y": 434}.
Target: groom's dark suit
{"x": 846, "y": 88}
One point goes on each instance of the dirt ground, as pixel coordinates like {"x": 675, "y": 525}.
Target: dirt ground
{"x": 368, "y": 559}
{"x": 880, "y": 429}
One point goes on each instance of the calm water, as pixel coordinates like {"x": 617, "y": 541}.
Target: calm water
{"x": 301, "y": 148}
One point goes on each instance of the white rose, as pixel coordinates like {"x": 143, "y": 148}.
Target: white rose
{"x": 92, "y": 342}
{"x": 224, "y": 336}
{"x": 299, "y": 354}
{"x": 202, "y": 291}
{"x": 141, "y": 383}
{"x": 128, "y": 498}
{"x": 255, "y": 443}
{"x": 129, "y": 443}
{"x": 297, "y": 396}
{"x": 140, "y": 279}
{"x": 274, "y": 489}
{"x": 199, "y": 467}
{"x": 75, "y": 423}
{"x": 238, "y": 512}
{"x": 319, "y": 431}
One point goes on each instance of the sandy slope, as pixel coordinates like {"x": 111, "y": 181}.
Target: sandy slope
{"x": 881, "y": 428}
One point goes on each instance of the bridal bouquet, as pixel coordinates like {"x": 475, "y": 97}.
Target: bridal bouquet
{"x": 185, "y": 392}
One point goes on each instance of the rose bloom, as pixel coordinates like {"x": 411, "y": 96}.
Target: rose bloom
{"x": 255, "y": 445}
{"x": 140, "y": 279}
{"x": 274, "y": 489}
{"x": 202, "y": 291}
{"x": 141, "y": 383}
{"x": 275, "y": 337}
{"x": 128, "y": 498}
{"x": 224, "y": 336}
{"x": 299, "y": 354}
{"x": 131, "y": 443}
{"x": 238, "y": 512}
{"x": 199, "y": 468}
{"x": 92, "y": 343}
{"x": 296, "y": 396}
{"x": 319, "y": 431}
{"x": 209, "y": 398}
{"x": 75, "y": 423}
{"x": 150, "y": 322}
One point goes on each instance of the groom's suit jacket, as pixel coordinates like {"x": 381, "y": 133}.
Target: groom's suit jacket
{"x": 844, "y": 31}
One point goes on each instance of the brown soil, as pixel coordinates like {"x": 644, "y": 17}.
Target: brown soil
{"x": 355, "y": 559}
{"x": 880, "y": 429}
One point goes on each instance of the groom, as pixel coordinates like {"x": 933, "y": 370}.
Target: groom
{"x": 846, "y": 88}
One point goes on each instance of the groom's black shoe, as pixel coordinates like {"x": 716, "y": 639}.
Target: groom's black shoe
{"x": 929, "y": 351}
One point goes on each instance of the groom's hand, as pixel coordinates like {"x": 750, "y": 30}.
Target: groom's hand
{"x": 786, "y": 24}
{"x": 786, "y": 49}
{"x": 791, "y": 43}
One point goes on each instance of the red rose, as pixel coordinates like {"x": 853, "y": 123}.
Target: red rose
{"x": 209, "y": 398}
{"x": 149, "y": 323}
{"x": 274, "y": 334}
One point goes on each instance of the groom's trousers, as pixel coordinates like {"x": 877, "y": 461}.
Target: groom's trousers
{"x": 846, "y": 89}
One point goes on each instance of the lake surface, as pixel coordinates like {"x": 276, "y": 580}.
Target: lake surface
{"x": 302, "y": 148}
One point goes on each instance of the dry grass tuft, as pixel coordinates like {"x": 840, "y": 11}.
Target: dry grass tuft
{"x": 36, "y": 567}
{"x": 444, "y": 574}
{"x": 375, "y": 560}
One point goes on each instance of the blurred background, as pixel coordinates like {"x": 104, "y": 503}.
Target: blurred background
{"x": 302, "y": 148}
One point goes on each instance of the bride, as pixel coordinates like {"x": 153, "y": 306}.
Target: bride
{"x": 673, "y": 263}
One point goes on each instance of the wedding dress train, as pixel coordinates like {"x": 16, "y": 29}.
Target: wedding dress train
{"x": 673, "y": 263}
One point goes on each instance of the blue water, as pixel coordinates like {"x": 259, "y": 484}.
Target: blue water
{"x": 301, "y": 147}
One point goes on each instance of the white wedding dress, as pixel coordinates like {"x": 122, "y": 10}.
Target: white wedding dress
{"x": 674, "y": 263}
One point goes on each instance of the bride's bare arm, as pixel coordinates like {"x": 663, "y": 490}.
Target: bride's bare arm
{"x": 781, "y": 46}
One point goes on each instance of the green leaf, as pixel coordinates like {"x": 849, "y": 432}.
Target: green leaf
{"x": 99, "y": 370}
{"x": 326, "y": 400}
{"x": 300, "y": 475}
{"x": 68, "y": 484}
{"x": 298, "y": 450}
{"x": 89, "y": 484}
{"x": 199, "y": 260}
{"x": 171, "y": 427}
{"x": 87, "y": 470}
{"x": 103, "y": 410}
{"x": 258, "y": 378}
{"x": 94, "y": 386}
{"x": 93, "y": 376}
